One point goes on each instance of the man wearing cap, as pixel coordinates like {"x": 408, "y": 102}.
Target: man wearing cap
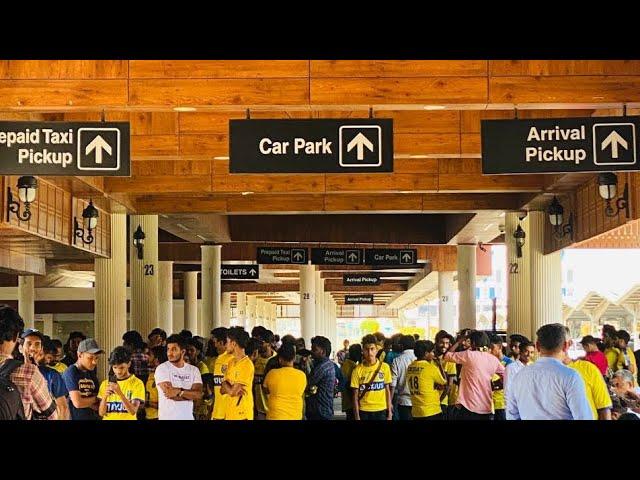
{"x": 593, "y": 354}
{"x": 25, "y": 376}
{"x": 82, "y": 383}
{"x": 33, "y": 351}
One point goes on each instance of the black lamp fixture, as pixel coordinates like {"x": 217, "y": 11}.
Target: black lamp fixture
{"x": 608, "y": 188}
{"x": 556, "y": 218}
{"x": 138, "y": 241}
{"x": 27, "y": 188}
{"x": 519, "y": 235}
{"x": 89, "y": 220}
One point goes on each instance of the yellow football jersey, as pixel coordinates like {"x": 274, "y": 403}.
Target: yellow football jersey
{"x": 219, "y": 371}
{"x": 151, "y": 397}
{"x": 422, "y": 377}
{"x": 375, "y": 399}
{"x": 241, "y": 407}
{"x": 132, "y": 388}
{"x": 595, "y": 386}
{"x": 286, "y": 387}
{"x": 259, "y": 397}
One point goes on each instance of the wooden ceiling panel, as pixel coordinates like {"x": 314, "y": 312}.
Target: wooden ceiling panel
{"x": 219, "y": 69}
{"x": 397, "y": 68}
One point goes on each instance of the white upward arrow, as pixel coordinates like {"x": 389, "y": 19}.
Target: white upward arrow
{"x": 360, "y": 141}
{"x": 353, "y": 257}
{"x": 614, "y": 139}
{"x": 297, "y": 256}
{"x": 98, "y": 144}
{"x": 406, "y": 257}
{"x": 252, "y": 271}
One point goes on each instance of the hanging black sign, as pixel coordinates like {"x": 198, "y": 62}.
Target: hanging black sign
{"x": 282, "y": 255}
{"x": 366, "y": 299}
{"x": 360, "y": 279}
{"x": 336, "y": 256}
{"x": 249, "y": 271}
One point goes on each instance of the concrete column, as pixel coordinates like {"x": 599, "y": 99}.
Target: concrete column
{"x": 251, "y": 312}
{"x": 26, "y": 300}
{"x": 241, "y": 309}
{"x": 467, "y": 286}
{"x": 274, "y": 317}
{"x": 144, "y": 275}
{"x": 165, "y": 296}
{"x": 319, "y": 302}
{"x": 47, "y": 320}
{"x": 226, "y": 309}
{"x": 546, "y": 276}
{"x": 333, "y": 326}
{"x": 518, "y": 277}
{"x": 110, "y": 317}
{"x": 307, "y": 303}
{"x": 446, "y": 305}
{"x": 191, "y": 301}
{"x": 211, "y": 287}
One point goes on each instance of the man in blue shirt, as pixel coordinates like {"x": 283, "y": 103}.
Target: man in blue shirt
{"x": 548, "y": 390}
{"x": 82, "y": 383}
{"x": 321, "y": 381}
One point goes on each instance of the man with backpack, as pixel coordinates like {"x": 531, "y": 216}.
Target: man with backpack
{"x": 23, "y": 389}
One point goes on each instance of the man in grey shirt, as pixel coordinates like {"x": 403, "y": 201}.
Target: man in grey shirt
{"x": 399, "y": 389}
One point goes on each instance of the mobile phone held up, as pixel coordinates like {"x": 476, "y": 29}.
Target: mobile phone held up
{"x": 112, "y": 377}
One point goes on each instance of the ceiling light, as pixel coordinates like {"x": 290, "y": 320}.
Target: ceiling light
{"x": 247, "y": 193}
{"x": 221, "y": 158}
{"x": 184, "y": 109}
{"x": 201, "y": 238}
{"x": 182, "y": 226}
{"x": 434, "y": 107}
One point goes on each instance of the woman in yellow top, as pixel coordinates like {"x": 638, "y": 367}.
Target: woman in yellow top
{"x": 285, "y": 387}
{"x": 426, "y": 380}
{"x": 123, "y": 393}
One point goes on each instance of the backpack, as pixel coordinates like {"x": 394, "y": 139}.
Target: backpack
{"x": 10, "y": 399}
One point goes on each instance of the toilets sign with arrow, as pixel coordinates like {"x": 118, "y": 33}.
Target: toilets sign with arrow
{"x": 239, "y": 271}
{"x": 65, "y": 148}
{"x": 560, "y": 145}
{"x": 355, "y": 145}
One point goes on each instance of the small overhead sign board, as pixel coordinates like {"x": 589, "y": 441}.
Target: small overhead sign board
{"x": 282, "y": 255}
{"x": 65, "y": 148}
{"x": 366, "y": 299}
{"x": 311, "y": 146}
{"x": 560, "y": 145}
{"x": 360, "y": 279}
{"x": 240, "y": 271}
{"x": 336, "y": 256}
{"x": 390, "y": 256}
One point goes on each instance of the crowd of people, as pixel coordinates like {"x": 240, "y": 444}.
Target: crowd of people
{"x": 240, "y": 375}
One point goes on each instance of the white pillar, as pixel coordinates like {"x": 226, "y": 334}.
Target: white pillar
{"x": 47, "y": 328}
{"x": 191, "y": 301}
{"x": 165, "y": 296}
{"x": 144, "y": 275}
{"x": 251, "y": 312}
{"x": 333, "y": 327}
{"x": 226, "y": 309}
{"x": 26, "y": 300}
{"x": 307, "y": 303}
{"x": 546, "y": 276}
{"x": 446, "y": 305}
{"x": 211, "y": 287}
{"x": 110, "y": 317}
{"x": 518, "y": 277}
{"x": 274, "y": 317}
{"x": 467, "y": 286}
{"x": 319, "y": 302}
{"x": 241, "y": 309}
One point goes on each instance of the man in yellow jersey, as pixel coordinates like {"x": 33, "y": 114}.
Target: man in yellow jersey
{"x": 265, "y": 353}
{"x": 629, "y": 360}
{"x": 348, "y": 365}
{"x": 424, "y": 376}
{"x": 239, "y": 378}
{"x": 225, "y": 354}
{"x": 595, "y": 386}
{"x": 615, "y": 359}
{"x": 499, "y": 401}
{"x": 157, "y": 355}
{"x": 371, "y": 382}
{"x": 285, "y": 387}
{"x": 52, "y": 356}
{"x": 448, "y": 395}
{"x": 123, "y": 393}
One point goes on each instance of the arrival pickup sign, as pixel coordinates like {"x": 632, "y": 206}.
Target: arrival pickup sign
{"x": 355, "y": 145}
{"x": 366, "y": 299}
{"x": 564, "y": 145}
{"x": 239, "y": 271}
{"x": 65, "y": 148}
{"x": 336, "y": 256}
{"x": 282, "y": 255}
{"x": 360, "y": 279}
{"x": 390, "y": 256}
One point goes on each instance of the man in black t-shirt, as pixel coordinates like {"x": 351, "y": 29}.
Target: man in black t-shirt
{"x": 82, "y": 383}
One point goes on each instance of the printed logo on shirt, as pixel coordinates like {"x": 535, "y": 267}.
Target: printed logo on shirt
{"x": 182, "y": 377}
{"x": 86, "y": 387}
{"x": 224, "y": 368}
{"x": 217, "y": 380}
{"x": 374, "y": 386}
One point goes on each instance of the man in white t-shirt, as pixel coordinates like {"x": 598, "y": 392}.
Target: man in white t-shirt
{"x": 179, "y": 382}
